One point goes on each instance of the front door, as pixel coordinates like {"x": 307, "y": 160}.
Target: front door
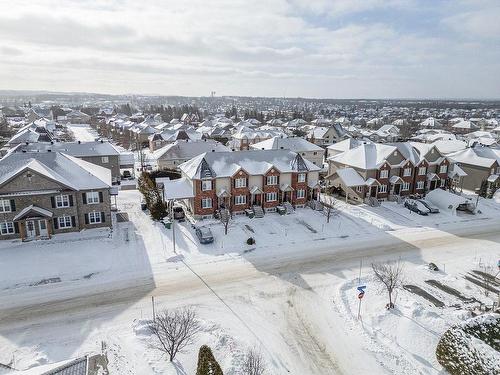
{"x": 42, "y": 225}
{"x": 373, "y": 191}
{"x": 397, "y": 189}
{"x": 30, "y": 229}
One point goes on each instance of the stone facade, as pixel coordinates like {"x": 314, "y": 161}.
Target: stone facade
{"x": 31, "y": 189}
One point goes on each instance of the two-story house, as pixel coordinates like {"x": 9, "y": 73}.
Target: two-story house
{"x": 241, "y": 180}
{"x": 42, "y": 194}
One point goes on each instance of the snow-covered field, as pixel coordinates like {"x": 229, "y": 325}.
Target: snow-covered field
{"x": 292, "y": 295}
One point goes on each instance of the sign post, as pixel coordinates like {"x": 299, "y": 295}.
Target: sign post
{"x": 361, "y": 294}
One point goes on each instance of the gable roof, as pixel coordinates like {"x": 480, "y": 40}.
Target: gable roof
{"x": 225, "y": 164}
{"x": 365, "y": 156}
{"x": 293, "y": 143}
{"x": 66, "y": 170}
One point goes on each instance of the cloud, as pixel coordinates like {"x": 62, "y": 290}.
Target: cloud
{"x": 253, "y": 48}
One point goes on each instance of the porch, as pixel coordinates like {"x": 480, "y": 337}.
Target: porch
{"x": 34, "y": 223}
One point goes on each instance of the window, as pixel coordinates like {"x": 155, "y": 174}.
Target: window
{"x": 206, "y": 203}
{"x": 301, "y": 177}
{"x": 315, "y": 153}
{"x": 92, "y": 197}
{"x": 406, "y": 186}
{"x": 407, "y": 172}
{"x": 240, "y": 182}
{"x": 384, "y": 173}
{"x": 240, "y": 199}
{"x": 65, "y": 222}
{"x": 301, "y": 193}
{"x": 271, "y": 197}
{"x": 206, "y": 185}
{"x": 5, "y": 205}
{"x": 420, "y": 185}
{"x": 94, "y": 217}
{"x": 443, "y": 169}
{"x": 272, "y": 180}
{"x": 63, "y": 201}
{"x": 7, "y": 228}
{"x": 359, "y": 189}
{"x": 382, "y": 189}
{"x": 105, "y": 159}
{"x": 422, "y": 171}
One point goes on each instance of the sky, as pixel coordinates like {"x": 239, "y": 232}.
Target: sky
{"x": 292, "y": 48}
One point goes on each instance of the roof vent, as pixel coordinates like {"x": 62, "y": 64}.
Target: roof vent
{"x": 102, "y": 140}
{"x": 51, "y": 142}
{"x": 79, "y": 142}
{"x": 49, "y": 150}
{"x": 213, "y": 150}
{"x": 281, "y": 148}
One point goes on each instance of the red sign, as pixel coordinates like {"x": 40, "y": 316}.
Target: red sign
{"x": 361, "y": 295}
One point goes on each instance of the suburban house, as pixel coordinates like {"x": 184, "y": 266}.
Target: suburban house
{"x": 481, "y": 164}
{"x": 374, "y": 171}
{"x": 42, "y": 194}
{"x": 245, "y": 136}
{"x": 160, "y": 139}
{"x": 307, "y": 150}
{"x": 174, "y": 154}
{"x": 100, "y": 153}
{"x": 259, "y": 180}
{"x": 324, "y": 136}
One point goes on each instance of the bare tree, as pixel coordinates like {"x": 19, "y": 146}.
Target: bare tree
{"x": 254, "y": 363}
{"x": 174, "y": 330}
{"x": 225, "y": 217}
{"x": 390, "y": 277}
{"x": 329, "y": 207}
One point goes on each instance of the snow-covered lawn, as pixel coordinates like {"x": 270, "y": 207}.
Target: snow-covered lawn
{"x": 292, "y": 295}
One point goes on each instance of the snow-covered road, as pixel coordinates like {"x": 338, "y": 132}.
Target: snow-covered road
{"x": 282, "y": 302}
{"x": 83, "y": 132}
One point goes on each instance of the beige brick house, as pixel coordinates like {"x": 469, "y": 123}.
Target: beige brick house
{"x": 42, "y": 194}
{"x": 241, "y": 180}
{"x": 387, "y": 171}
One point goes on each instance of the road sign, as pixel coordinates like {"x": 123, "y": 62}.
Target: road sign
{"x": 361, "y": 288}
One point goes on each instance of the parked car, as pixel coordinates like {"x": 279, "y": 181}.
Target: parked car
{"x": 126, "y": 175}
{"x": 179, "y": 213}
{"x": 432, "y": 209}
{"x": 204, "y": 234}
{"x": 433, "y": 267}
{"x": 417, "y": 207}
{"x": 144, "y": 205}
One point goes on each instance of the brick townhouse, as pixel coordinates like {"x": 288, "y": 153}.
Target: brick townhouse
{"x": 242, "y": 180}
{"x": 387, "y": 171}
{"x": 42, "y": 194}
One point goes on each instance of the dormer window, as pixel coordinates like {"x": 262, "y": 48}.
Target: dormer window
{"x": 301, "y": 177}
{"x": 384, "y": 173}
{"x": 206, "y": 185}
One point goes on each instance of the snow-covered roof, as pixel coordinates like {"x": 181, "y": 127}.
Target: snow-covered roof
{"x": 480, "y": 156}
{"x": 365, "y": 156}
{"x": 350, "y": 177}
{"x": 187, "y": 149}
{"x": 78, "y": 149}
{"x": 177, "y": 189}
{"x": 226, "y": 164}
{"x": 67, "y": 170}
{"x": 294, "y": 144}
{"x": 38, "y": 210}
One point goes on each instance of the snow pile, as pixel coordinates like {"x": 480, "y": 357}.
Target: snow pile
{"x": 472, "y": 347}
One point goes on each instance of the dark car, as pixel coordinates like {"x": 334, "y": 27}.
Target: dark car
{"x": 432, "y": 210}
{"x": 144, "y": 205}
{"x": 413, "y": 205}
{"x": 179, "y": 213}
{"x": 204, "y": 234}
